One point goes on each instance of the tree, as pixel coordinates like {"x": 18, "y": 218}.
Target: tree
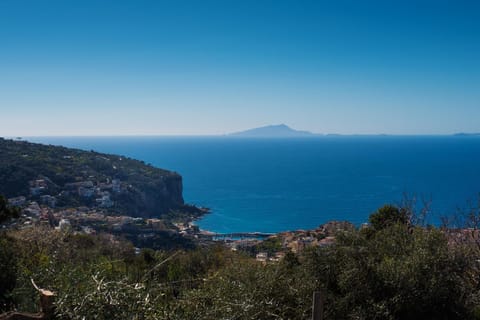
{"x": 388, "y": 215}
{"x": 399, "y": 272}
{"x": 8, "y": 272}
{"x": 6, "y": 212}
{"x": 250, "y": 290}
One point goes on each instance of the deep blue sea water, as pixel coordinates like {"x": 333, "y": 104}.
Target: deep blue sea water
{"x": 271, "y": 185}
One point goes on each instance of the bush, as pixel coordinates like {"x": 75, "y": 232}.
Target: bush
{"x": 400, "y": 273}
{"x": 388, "y": 215}
{"x": 8, "y": 272}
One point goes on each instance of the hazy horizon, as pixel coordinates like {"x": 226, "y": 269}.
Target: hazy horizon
{"x": 188, "y": 68}
{"x": 235, "y": 135}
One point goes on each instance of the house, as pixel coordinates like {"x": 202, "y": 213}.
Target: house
{"x": 328, "y": 241}
{"x": 116, "y": 185}
{"x": 17, "y": 201}
{"x": 159, "y": 224}
{"x": 279, "y": 255}
{"x": 86, "y": 192}
{"x": 262, "y": 256}
{"x": 64, "y": 225}
{"x": 295, "y": 246}
{"x": 33, "y": 210}
{"x": 38, "y": 186}
{"x": 81, "y": 184}
{"x": 49, "y": 200}
{"x": 104, "y": 201}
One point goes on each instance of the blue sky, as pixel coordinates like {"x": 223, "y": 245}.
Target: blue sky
{"x": 211, "y": 67}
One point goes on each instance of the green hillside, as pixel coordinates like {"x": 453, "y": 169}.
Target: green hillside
{"x": 80, "y": 178}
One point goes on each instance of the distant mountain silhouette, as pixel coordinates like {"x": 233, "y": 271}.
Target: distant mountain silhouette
{"x": 273, "y": 131}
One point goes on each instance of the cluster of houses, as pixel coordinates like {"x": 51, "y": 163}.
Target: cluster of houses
{"x": 44, "y": 206}
{"x": 79, "y": 219}
{"x": 31, "y": 212}
{"x": 100, "y": 192}
{"x": 297, "y": 241}
{"x": 188, "y": 229}
{"x": 40, "y": 207}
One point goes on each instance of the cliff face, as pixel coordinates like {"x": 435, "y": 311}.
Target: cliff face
{"x": 64, "y": 177}
{"x": 153, "y": 199}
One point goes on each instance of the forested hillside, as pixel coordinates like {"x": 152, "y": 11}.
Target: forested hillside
{"x": 79, "y": 178}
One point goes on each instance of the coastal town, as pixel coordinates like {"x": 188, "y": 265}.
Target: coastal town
{"x": 40, "y": 207}
{"x": 94, "y": 214}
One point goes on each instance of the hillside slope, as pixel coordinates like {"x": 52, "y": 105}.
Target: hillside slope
{"x": 67, "y": 177}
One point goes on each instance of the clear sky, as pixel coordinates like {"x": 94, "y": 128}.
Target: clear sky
{"x": 89, "y": 67}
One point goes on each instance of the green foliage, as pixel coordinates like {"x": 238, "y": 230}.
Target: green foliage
{"x": 147, "y": 191}
{"x": 399, "y": 271}
{"x": 249, "y": 290}
{"x": 98, "y": 296}
{"x": 147, "y": 286}
{"x": 161, "y": 240}
{"x": 270, "y": 245}
{"x": 388, "y": 215}
{"x": 8, "y": 272}
{"x": 397, "y": 274}
{"x": 7, "y": 212}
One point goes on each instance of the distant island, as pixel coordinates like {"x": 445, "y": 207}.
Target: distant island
{"x": 273, "y": 131}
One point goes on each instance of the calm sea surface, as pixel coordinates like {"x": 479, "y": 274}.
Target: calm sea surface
{"x": 272, "y": 185}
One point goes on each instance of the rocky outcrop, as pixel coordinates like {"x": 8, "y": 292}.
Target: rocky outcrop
{"x": 152, "y": 199}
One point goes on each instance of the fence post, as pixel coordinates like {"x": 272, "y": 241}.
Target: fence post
{"x": 46, "y": 303}
{"x": 318, "y": 302}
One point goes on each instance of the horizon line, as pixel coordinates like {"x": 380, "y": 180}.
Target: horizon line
{"x": 230, "y": 135}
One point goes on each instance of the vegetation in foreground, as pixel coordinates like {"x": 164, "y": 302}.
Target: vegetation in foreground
{"x": 393, "y": 269}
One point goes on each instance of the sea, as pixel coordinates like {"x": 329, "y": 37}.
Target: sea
{"x": 273, "y": 185}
